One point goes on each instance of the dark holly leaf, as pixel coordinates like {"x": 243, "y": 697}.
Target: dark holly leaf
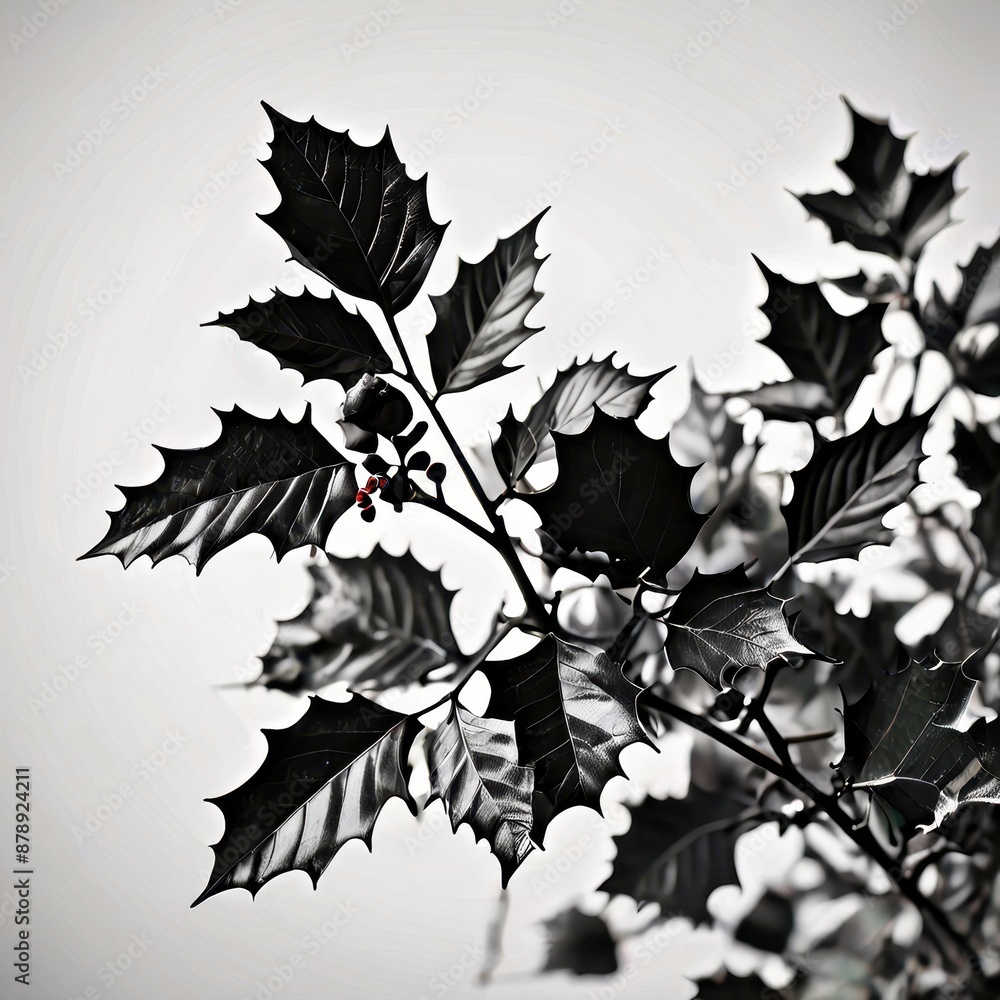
{"x": 323, "y": 782}
{"x": 621, "y": 493}
{"x": 482, "y": 318}
{"x": 726, "y": 986}
{"x": 350, "y": 213}
{"x": 677, "y": 851}
{"x": 977, "y": 455}
{"x": 984, "y": 785}
{"x": 901, "y": 740}
{"x": 580, "y": 943}
{"x": 977, "y": 300}
{"x": 890, "y": 210}
{"x": 819, "y": 345}
{"x": 566, "y": 406}
{"x": 849, "y": 485}
{"x": 977, "y": 363}
{"x": 791, "y": 400}
{"x": 720, "y": 624}
{"x": 574, "y": 712}
{"x": 283, "y": 480}
{"x": 884, "y": 288}
{"x": 862, "y": 645}
{"x": 317, "y": 337}
{"x": 705, "y": 432}
{"x": 768, "y": 925}
{"x": 474, "y": 771}
{"x": 377, "y": 621}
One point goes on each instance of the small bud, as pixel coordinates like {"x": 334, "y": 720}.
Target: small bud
{"x": 436, "y": 472}
{"x": 418, "y": 461}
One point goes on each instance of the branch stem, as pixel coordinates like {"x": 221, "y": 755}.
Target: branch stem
{"x": 862, "y": 838}
{"x": 498, "y": 537}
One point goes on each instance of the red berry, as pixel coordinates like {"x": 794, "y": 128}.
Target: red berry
{"x": 371, "y": 484}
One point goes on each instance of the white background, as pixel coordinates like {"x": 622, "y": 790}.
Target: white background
{"x": 166, "y": 202}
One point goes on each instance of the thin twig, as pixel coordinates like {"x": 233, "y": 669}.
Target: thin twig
{"x": 862, "y": 838}
{"x": 500, "y": 539}
{"x": 494, "y": 939}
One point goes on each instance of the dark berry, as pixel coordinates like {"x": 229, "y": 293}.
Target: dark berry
{"x": 368, "y": 514}
{"x": 419, "y": 461}
{"x": 436, "y": 472}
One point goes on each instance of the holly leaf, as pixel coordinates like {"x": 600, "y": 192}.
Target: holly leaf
{"x": 819, "y": 345}
{"x": 474, "y": 771}
{"x": 482, "y": 318}
{"x": 901, "y": 741}
{"x": 984, "y": 786}
{"x": 581, "y": 943}
{"x": 573, "y": 712}
{"x": 317, "y": 337}
{"x": 566, "y": 406}
{"x": 376, "y": 621}
{"x": 977, "y": 300}
{"x": 889, "y": 210}
{"x": 727, "y": 986}
{"x": 677, "y": 851}
{"x": 282, "y": 480}
{"x": 791, "y": 400}
{"x": 621, "y": 493}
{"x": 978, "y": 457}
{"x": 323, "y": 782}
{"x": 706, "y": 433}
{"x": 350, "y": 212}
{"x": 720, "y": 624}
{"x": 849, "y": 485}
{"x": 977, "y": 362}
